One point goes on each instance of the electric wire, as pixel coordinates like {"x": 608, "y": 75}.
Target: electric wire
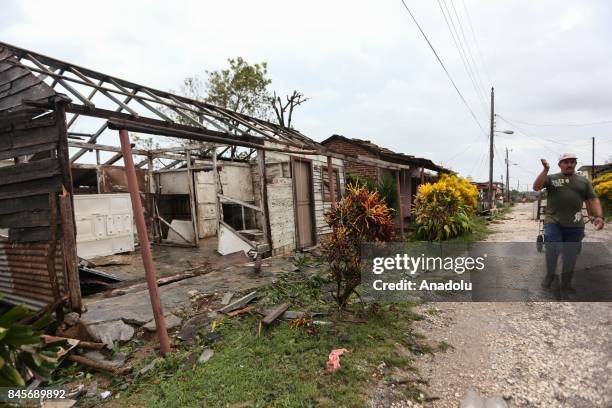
{"x": 467, "y": 46}
{"x": 460, "y": 50}
{"x": 602, "y": 122}
{"x": 484, "y": 67}
{"x": 444, "y": 67}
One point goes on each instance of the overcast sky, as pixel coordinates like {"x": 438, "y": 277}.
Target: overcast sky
{"x": 366, "y": 67}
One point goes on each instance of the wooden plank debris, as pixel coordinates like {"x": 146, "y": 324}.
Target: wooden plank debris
{"x": 243, "y": 301}
{"x": 275, "y": 313}
{"x": 244, "y": 310}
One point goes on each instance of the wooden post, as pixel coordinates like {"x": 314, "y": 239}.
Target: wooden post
{"x": 332, "y": 184}
{"x": 399, "y": 201}
{"x": 261, "y": 161}
{"x": 192, "y": 200}
{"x": 216, "y": 187}
{"x": 145, "y": 247}
{"x": 69, "y": 250}
{"x": 52, "y": 246}
{"x": 73, "y": 283}
{"x": 422, "y": 175}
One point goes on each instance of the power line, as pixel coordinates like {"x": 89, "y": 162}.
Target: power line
{"x": 521, "y": 131}
{"x": 573, "y": 145}
{"x": 461, "y": 51}
{"x": 602, "y": 122}
{"x": 476, "y": 41}
{"x": 467, "y": 45}
{"x": 444, "y": 67}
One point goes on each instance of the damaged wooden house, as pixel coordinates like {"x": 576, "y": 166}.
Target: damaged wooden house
{"x": 374, "y": 162}
{"x": 73, "y": 184}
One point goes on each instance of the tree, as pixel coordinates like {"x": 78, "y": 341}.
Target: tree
{"x": 242, "y": 88}
{"x": 284, "y": 111}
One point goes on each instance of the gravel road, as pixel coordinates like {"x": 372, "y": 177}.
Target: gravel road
{"x": 534, "y": 354}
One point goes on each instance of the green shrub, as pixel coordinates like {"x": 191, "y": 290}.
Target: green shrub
{"x": 22, "y": 349}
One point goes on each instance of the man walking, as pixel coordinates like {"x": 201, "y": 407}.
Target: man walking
{"x": 563, "y": 223}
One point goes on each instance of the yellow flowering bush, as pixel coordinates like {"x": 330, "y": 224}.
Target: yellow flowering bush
{"x": 443, "y": 209}
{"x": 603, "y": 186}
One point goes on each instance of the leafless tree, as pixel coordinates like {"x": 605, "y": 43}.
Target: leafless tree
{"x": 284, "y": 111}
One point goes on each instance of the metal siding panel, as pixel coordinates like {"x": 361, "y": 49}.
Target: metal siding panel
{"x": 23, "y": 274}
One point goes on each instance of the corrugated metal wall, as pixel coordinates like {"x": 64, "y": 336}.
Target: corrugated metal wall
{"x": 33, "y": 145}
{"x": 24, "y": 277}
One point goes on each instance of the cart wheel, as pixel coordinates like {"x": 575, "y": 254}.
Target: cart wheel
{"x": 540, "y": 243}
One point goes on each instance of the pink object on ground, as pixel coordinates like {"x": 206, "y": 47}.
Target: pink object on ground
{"x": 333, "y": 362}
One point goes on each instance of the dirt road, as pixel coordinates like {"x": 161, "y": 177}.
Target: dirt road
{"x": 537, "y": 354}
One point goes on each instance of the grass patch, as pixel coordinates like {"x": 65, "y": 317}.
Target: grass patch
{"x": 283, "y": 367}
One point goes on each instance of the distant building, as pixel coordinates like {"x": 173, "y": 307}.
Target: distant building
{"x": 600, "y": 169}
{"x": 374, "y": 162}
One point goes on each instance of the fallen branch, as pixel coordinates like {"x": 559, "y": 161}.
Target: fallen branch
{"x": 99, "y": 365}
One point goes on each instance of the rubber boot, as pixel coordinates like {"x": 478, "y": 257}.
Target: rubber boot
{"x": 564, "y": 292}
{"x": 548, "y": 280}
{"x": 570, "y": 288}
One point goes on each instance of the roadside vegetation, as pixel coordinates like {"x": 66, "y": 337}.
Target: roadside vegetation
{"x": 445, "y": 209}
{"x": 603, "y": 188}
{"x": 285, "y": 365}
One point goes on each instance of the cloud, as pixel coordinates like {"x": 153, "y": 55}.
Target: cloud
{"x": 364, "y": 64}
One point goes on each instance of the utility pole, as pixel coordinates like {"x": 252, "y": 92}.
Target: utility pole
{"x": 491, "y": 152}
{"x": 507, "y": 178}
{"x": 593, "y": 159}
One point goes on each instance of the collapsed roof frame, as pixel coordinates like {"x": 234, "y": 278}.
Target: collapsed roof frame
{"x": 148, "y": 110}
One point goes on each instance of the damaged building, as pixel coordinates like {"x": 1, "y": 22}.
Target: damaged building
{"x": 373, "y": 162}
{"x": 73, "y": 184}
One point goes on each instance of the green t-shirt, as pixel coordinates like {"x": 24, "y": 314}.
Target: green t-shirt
{"x": 566, "y": 194}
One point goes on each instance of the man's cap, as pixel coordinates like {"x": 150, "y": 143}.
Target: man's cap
{"x": 566, "y": 156}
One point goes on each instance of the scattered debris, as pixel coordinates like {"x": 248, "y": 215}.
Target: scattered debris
{"x": 172, "y": 322}
{"x": 239, "y": 303}
{"x": 333, "y": 361}
{"x": 190, "y": 329}
{"x": 205, "y": 356}
{"x": 72, "y": 318}
{"x": 300, "y": 322}
{"x": 244, "y": 310}
{"x": 227, "y": 298}
{"x": 130, "y": 288}
{"x": 105, "y": 394}
{"x": 110, "y": 332}
{"x": 290, "y": 315}
{"x": 212, "y": 337}
{"x": 148, "y": 367}
{"x": 109, "y": 260}
{"x": 275, "y": 313}
{"x": 105, "y": 366}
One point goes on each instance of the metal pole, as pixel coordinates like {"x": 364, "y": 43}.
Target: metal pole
{"x": 332, "y": 184}
{"x": 507, "y": 177}
{"x": 143, "y": 238}
{"x": 491, "y": 152}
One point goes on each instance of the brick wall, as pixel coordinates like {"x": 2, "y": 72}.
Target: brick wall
{"x": 360, "y": 169}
